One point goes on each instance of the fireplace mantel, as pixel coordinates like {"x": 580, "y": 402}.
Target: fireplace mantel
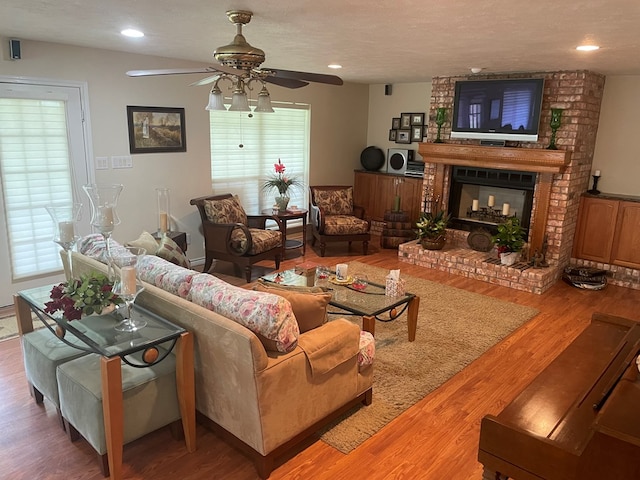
{"x": 542, "y": 161}
{"x": 503, "y": 158}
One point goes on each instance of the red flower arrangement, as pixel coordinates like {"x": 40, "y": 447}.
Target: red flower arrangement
{"x": 280, "y": 181}
{"x": 89, "y": 294}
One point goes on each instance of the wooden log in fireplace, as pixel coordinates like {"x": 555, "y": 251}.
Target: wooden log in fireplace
{"x": 544, "y": 162}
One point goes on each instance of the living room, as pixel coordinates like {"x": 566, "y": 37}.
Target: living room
{"x": 345, "y": 120}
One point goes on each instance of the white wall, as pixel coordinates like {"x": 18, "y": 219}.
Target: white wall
{"x": 338, "y": 128}
{"x": 404, "y": 98}
{"x": 616, "y": 152}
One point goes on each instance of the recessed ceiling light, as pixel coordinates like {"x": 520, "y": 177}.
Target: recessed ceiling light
{"x": 334, "y": 65}
{"x": 587, "y": 48}
{"x": 130, "y": 32}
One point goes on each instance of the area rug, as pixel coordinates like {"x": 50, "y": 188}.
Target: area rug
{"x": 455, "y": 327}
{"x": 8, "y": 327}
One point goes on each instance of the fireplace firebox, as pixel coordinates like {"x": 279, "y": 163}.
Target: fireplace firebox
{"x": 483, "y": 197}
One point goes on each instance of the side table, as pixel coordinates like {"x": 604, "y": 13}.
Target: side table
{"x": 292, "y": 215}
{"x": 102, "y": 338}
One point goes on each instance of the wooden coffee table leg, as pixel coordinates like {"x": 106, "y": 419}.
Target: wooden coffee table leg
{"x": 412, "y": 317}
{"x": 369, "y": 324}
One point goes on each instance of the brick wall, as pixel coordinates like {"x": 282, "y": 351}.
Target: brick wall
{"x": 579, "y": 94}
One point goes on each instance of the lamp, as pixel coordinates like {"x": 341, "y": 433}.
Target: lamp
{"x": 239, "y": 99}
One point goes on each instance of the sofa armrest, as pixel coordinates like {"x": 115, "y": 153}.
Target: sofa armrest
{"x": 330, "y": 345}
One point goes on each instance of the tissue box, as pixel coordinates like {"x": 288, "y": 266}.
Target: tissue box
{"x": 394, "y": 288}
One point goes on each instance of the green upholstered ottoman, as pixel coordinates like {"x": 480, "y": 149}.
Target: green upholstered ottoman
{"x": 150, "y": 399}
{"x": 43, "y": 352}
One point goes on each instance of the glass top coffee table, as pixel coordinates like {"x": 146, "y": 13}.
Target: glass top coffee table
{"x": 370, "y": 303}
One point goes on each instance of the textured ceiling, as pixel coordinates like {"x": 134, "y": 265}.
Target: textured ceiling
{"x": 376, "y": 42}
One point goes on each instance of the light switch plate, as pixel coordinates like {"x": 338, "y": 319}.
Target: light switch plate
{"x": 121, "y": 161}
{"x": 102, "y": 163}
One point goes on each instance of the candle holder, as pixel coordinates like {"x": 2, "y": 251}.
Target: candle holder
{"x": 104, "y": 216}
{"x": 65, "y": 218}
{"x": 556, "y": 116}
{"x": 128, "y": 286}
{"x": 441, "y": 114}
{"x": 594, "y": 190}
{"x": 164, "y": 215}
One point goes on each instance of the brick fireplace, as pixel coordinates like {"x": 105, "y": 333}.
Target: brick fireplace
{"x": 562, "y": 176}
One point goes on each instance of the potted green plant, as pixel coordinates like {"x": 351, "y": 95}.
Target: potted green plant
{"x": 509, "y": 240}
{"x": 432, "y": 229}
{"x": 282, "y": 183}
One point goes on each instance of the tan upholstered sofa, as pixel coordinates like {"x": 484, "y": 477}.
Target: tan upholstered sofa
{"x": 263, "y": 402}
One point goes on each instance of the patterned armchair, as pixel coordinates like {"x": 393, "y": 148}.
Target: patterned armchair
{"x": 334, "y": 217}
{"x": 232, "y": 235}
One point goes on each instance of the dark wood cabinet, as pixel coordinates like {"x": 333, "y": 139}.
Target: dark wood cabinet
{"x": 376, "y": 192}
{"x": 608, "y": 231}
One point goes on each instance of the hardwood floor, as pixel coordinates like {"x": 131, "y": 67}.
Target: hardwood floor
{"x": 435, "y": 439}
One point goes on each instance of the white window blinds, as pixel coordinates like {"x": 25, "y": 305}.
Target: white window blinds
{"x": 34, "y": 164}
{"x": 244, "y": 149}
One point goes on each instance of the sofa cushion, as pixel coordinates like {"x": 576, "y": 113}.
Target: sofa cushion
{"x": 146, "y": 241}
{"x": 269, "y": 316}
{"x": 334, "y": 202}
{"x": 367, "y": 350}
{"x": 165, "y": 275}
{"x": 228, "y": 210}
{"x": 170, "y": 251}
{"x": 344, "y": 225}
{"x": 310, "y": 309}
{"x": 330, "y": 345}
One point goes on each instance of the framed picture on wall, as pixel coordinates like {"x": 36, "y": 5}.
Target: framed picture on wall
{"x": 156, "y": 129}
{"x": 405, "y": 120}
{"x": 403, "y": 136}
{"x": 417, "y": 119}
{"x": 393, "y": 134}
{"x": 416, "y": 133}
{"x": 395, "y": 123}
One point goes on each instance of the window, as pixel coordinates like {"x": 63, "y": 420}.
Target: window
{"x": 35, "y": 168}
{"x": 245, "y": 147}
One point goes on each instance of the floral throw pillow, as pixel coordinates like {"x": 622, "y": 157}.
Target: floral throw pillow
{"x": 334, "y": 202}
{"x": 227, "y": 210}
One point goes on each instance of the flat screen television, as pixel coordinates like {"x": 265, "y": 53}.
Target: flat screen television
{"x": 507, "y": 109}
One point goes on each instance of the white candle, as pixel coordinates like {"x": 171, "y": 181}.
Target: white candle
{"x": 505, "y": 209}
{"x": 475, "y": 206}
{"x": 164, "y": 222}
{"x": 67, "y": 233}
{"x": 492, "y": 201}
{"x": 128, "y": 279}
{"x": 596, "y": 173}
{"x": 105, "y": 216}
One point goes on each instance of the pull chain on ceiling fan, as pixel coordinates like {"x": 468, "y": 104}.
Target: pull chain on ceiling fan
{"x": 239, "y": 63}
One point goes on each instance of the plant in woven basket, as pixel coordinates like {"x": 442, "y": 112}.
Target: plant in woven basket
{"x": 432, "y": 228}
{"x": 90, "y": 293}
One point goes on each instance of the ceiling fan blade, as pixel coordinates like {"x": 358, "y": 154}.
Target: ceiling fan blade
{"x": 205, "y": 81}
{"x": 286, "y": 82}
{"x": 216, "y": 67}
{"x": 309, "y": 77}
{"x": 167, "y": 71}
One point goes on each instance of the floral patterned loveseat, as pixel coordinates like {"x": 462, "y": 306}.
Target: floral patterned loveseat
{"x": 257, "y": 377}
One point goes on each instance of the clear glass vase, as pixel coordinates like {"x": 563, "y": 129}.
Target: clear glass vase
{"x": 104, "y": 214}
{"x": 65, "y": 219}
{"x": 128, "y": 285}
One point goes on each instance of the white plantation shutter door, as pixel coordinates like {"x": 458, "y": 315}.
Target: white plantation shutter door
{"x": 265, "y": 138}
{"x": 36, "y": 172}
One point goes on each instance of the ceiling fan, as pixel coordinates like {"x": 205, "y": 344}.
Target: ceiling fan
{"x": 240, "y": 63}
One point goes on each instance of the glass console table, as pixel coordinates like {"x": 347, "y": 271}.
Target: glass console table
{"x": 97, "y": 334}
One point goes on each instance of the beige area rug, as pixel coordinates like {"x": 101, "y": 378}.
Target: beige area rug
{"x": 455, "y": 327}
{"x": 8, "y": 327}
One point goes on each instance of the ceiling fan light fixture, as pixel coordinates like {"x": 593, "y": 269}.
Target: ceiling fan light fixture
{"x": 264, "y": 101}
{"x": 216, "y": 100}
